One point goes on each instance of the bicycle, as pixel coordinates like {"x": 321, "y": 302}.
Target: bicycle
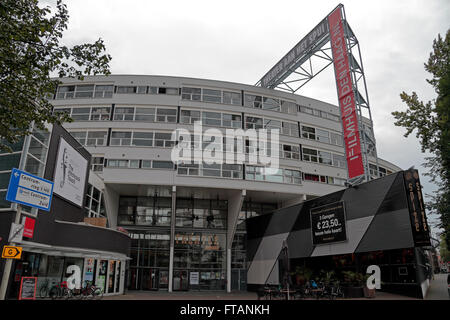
{"x": 59, "y": 291}
{"x": 44, "y": 289}
{"x": 88, "y": 292}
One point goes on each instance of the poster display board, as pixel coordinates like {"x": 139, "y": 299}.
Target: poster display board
{"x": 28, "y": 288}
{"x": 70, "y": 173}
{"x": 328, "y": 223}
{"x": 419, "y": 224}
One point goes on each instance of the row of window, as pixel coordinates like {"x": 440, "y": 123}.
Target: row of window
{"x": 106, "y": 91}
{"x": 217, "y": 119}
{"x": 147, "y": 114}
{"x": 193, "y": 94}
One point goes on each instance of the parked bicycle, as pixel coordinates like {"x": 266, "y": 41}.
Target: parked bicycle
{"x": 59, "y": 291}
{"x": 88, "y": 291}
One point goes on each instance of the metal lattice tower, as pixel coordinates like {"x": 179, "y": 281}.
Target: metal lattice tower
{"x": 303, "y": 63}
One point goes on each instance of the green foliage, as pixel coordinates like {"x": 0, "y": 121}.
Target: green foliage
{"x": 30, "y": 51}
{"x": 431, "y": 122}
{"x": 443, "y": 250}
{"x": 354, "y": 279}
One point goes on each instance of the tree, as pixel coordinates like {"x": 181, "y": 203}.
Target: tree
{"x": 431, "y": 122}
{"x": 30, "y": 53}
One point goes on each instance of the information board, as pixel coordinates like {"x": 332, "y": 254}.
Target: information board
{"x": 28, "y": 189}
{"x": 328, "y": 223}
{"x": 28, "y": 288}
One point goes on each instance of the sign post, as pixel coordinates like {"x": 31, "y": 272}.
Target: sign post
{"x": 24, "y": 188}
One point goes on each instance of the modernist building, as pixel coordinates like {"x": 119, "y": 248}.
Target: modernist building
{"x": 187, "y": 221}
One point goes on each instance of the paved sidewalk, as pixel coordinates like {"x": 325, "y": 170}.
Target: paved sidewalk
{"x": 195, "y": 295}
{"x": 438, "y": 288}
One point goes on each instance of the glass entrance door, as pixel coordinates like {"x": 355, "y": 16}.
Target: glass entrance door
{"x": 149, "y": 279}
{"x": 180, "y": 280}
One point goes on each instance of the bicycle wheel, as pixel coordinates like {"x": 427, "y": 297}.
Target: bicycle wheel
{"x": 97, "y": 293}
{"x": 43, "y": 292}
{"x": 54, "y": 293}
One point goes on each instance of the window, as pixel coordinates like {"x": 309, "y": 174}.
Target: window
{"x": 65, "y": 92}
{"x": 163, "y": 90}
{"x": 308, "y": 133}
{"x": 231, "y": 120}
{"x": 373, "y": 170}
{"x": 233, "y": 171}
{"x": 145, "y": 114}
{"x": 290, "y": 129}
{"x": 189, "y": 116}
{"x": 272, "y": 124}
{"x": 188, "y": 169}
{"x": 81, "y": 114}
{"x": 126, "y": 89}
{"x": 211, "y": 170}
{"x": 124, "y": 113}
{"x": 84, "y": 91}
{"x": 103, "y": 91}
{"x": 322, "y": 136}
{"x": 382, "y": 171}
{"x": 100, "y": 113}
{"x": 288, "y": 107}
{"x": 162, "y": 164}
{"x": 166, "y": 115}
{"x": 325, "y": 157}
{"x": 80, "y": 136}
{"x": 271, "y": 104}
{"x": 134, "y": 163}
{"x": 97, "y": 164}
{"x": 193, "y": 94}
{"x": 141, "y": 89}
{"x": 231, "y": 98}
{"x": 212, "y": 118}
{"x": 292, "y": 176}
{"x": 117, "y": 163}
{"x": 336, "y": 139}
{"x": 252, "y": 101}
{"x": 120, "y": 138}
{"x": 291, "y": 152}
{"x": 96, "y": 138}
{"x": 310, "y": 155}
{"x": 212, "y": 95}
{"x": 163, "y": 140}
{"x": 253, "y": 123}
{"x": 142, "y": 139}
{"x": 339, "y": 161}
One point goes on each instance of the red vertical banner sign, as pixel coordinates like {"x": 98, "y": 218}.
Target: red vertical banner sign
{"x": 346, "y": 95}
{"x": 28, "y": 229}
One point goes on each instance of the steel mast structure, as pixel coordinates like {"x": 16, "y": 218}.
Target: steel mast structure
{"x": 313, "y": 54}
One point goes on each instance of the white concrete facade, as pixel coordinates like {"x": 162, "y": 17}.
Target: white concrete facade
{"x": 133, "y": 178}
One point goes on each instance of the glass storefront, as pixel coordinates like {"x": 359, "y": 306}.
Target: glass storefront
{"x": 52, "y": 270}
{"x": 149, "y": 267}
{"x": 199, "y": 261}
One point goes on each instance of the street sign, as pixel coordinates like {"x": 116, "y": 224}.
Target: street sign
{"x": 11, "y": 252}
{"x": 27, "y": 189}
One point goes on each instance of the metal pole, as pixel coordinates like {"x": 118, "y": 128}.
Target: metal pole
{"x": 8, "y": 263}
{"x": 18, "y": 207}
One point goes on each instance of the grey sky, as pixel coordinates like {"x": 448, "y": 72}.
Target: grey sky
{"x": 239, "y": 41}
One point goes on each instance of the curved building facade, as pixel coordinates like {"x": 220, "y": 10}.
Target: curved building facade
{"x": 187, "y": 220}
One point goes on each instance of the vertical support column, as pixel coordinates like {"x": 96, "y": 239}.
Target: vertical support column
{"x": 172, "y": 235}
{"x": 234, "y": 208}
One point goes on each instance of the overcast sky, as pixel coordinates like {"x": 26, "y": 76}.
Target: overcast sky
{"x": 239, "y": 41}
